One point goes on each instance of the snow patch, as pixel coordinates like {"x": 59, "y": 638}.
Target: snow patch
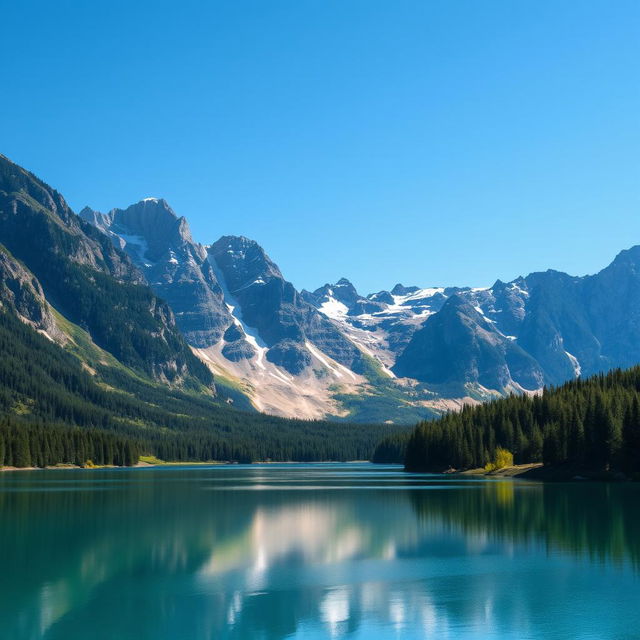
{"x": 333, "y": 308}
{"x": 250, "y": 284}
{"x": 575, "y": 363}
{"x": 137, "y": 245}
{"x": 517, "y": 288}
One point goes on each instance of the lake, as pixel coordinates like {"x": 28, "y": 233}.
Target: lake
{"x": 314, "y": 551}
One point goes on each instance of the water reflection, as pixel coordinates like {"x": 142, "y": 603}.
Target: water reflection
{"x": 353, "y": 551}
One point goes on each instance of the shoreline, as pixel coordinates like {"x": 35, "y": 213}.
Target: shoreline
{"x": 537, "y": 471}
{"x": 513, "y": 471}
{"x": 162, "y": 463}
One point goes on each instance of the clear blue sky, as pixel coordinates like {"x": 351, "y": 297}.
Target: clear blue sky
{"x": 428, "y": 142}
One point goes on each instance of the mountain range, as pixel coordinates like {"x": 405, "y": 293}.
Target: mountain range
{"x": 221, "y": 318}
{"x": 94, "y": 365}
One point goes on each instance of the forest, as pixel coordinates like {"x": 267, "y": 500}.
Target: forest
{"x": 591, "y": 424}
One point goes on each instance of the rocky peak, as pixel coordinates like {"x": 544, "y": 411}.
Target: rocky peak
{"x": 401, "y": 290}
{"x": 626, "y": 263}
{"x": 381, "y": 296}
{"x": 271, "y": 306}
{"x": 342, "y": 291}
{"x": 175, "y": 266}
{"x": 243, "y": 261}
{"x": 99, "y": 220}
{"x": 156, "y": 222}
{"x": 345, "y": 292}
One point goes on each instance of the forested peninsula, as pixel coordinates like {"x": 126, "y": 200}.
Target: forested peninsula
{"x": 590, "y": 425}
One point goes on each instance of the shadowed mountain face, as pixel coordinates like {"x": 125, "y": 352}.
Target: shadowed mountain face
{"x": 568, "y": 326}
{"x": 459, "y": 345}
{"x": 74, "y": 267}
{"x": 23, "y": 295}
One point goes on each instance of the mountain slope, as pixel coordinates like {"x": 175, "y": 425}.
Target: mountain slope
{"x": 459, "y": 345}
{"x": 90, "y": 281}
{"x": 46, "y": 392}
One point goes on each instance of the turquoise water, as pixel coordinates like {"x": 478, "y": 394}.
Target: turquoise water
{"x": 314, "y": 551}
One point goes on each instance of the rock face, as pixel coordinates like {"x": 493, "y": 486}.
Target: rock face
{"x": 459, "y": 345}
{"x": 21, "y": 293}
{"x": 272, "y": 307}
{"x": 176, "y": 267}
{"x": 90, "y": 280}
{"x": 544, "y": 328}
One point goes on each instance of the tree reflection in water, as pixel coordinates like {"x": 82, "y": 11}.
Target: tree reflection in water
{"x": 316, "y": 551}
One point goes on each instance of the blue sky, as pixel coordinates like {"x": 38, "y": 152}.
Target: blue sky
{"x": 429, "y": 142}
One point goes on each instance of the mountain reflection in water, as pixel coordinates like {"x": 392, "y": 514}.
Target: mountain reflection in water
{"x": 313, "y": 551}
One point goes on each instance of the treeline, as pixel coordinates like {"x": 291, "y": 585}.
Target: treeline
{"x": 591, "y": 424}
{"x": 42, "y": 385}
{"x": 36, "y": 445}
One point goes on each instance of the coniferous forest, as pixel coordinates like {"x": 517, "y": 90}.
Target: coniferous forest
{"x": 591, "y": 424}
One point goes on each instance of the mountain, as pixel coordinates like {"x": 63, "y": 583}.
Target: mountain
{"x": 537, "y": 330}
{"x": 93, "y": 365}
{"x": 182, "y": 312}
{"x": 239, "y": 314}
{"x": 460, "y": 345}
{"x": 159, "y": 243}
{"x": 292, "y": 330}
{"x": 381, "y": 323}
{"x": 400, "y": 355}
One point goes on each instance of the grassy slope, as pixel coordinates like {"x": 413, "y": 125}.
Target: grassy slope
{"x": 383, "y": 399}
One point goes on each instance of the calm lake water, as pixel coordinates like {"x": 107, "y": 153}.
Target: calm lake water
{"x": 314, "y": 551}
